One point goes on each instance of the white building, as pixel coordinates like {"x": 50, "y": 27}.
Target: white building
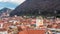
{"x": 39, "y": 21}
{"x": 1, "y": 25}
{"x": 3, "y": 32}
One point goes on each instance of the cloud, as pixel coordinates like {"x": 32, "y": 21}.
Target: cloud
{"x": 13, "y": 1}
{"x": 11, "y": 8}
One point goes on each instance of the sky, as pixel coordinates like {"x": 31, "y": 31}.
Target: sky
{"x": 12, "y": 4}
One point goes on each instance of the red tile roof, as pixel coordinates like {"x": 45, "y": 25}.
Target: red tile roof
{"x": 32, "y": 32}
{"x": 3, "y": 29}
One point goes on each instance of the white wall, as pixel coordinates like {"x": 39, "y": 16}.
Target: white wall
{"x": 3, "y": 32}
{"x": 1, "y": 25}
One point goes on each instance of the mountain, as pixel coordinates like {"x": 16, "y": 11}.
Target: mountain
{"x": 5, "y": 10}
{"x": 38, "y": 7}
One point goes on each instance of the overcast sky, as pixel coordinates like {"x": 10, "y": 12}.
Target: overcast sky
{"x": 12, "y": 4}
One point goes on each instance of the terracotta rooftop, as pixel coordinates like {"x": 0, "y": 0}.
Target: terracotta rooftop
{"x": 32, "y": 32}
{"x": 3, "y": 29}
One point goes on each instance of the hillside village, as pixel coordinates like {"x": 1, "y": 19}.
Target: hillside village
{"x": 17, "y": 24}
{"x": 31, "y": 17}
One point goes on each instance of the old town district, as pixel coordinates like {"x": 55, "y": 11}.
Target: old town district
{"x": 16, "y": 24}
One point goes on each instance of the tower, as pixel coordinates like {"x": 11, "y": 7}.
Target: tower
{"x": 39, "y": 21}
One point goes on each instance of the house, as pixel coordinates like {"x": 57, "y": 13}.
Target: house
{"x": 3, "y": 31}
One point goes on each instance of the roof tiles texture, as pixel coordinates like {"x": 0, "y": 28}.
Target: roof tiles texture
{"x": 32, "y": 32}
